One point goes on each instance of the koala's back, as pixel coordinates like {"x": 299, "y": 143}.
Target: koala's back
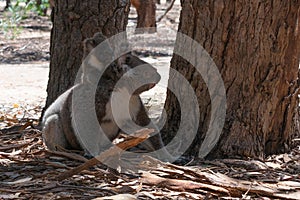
{"x": 57, "y": 127}
{"x": 66, "y": 116}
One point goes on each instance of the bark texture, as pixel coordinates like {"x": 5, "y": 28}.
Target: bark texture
{"x": 255, "y": 45}
{"x": 74, "y": 21}
{"x": 146, "y": 10}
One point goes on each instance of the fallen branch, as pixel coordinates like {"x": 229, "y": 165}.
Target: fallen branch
{"x": 72, "y": 156}
{"x": 16, "y": 128}
{"x": 205, "y": 180}
{"x": 129, "y": 142}
{"x": 16, "y": 146}
{"x": 175, "y": 184}
{"x": 166, "y": 12}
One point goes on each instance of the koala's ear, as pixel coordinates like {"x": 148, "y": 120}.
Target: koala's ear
{"x": 125, "y": 59}
{"x": 90, "y": 43}
{"x": 98, "y": 38}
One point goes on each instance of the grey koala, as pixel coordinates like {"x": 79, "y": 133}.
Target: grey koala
{"x": 114, "y": 98}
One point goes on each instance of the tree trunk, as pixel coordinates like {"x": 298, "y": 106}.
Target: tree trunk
{"x": 255, "y": 45}
{"x": 146, "y": 11}
{"x": 74, "y": 21}
{"x": 8, "y": 4}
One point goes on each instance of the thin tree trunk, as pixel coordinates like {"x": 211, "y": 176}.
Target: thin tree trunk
{"x": 255, "y": 45}
{"x": 146, "y": 11}
{"x": 8, "y": 3}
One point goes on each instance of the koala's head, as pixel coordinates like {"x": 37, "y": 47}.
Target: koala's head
{"x": 135, "y": 74}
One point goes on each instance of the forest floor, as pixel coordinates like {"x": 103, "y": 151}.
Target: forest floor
{"x": 29, "y": 171}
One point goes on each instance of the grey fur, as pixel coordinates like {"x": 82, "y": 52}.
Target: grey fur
{"x": 58, "y": 126}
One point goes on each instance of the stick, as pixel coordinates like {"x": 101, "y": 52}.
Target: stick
{"x": 175, "y": 184}
{"x": 130, "y": 142}
{"x": 166, "y": 12}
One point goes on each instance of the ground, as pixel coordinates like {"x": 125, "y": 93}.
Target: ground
{"x": 28, "y": 170}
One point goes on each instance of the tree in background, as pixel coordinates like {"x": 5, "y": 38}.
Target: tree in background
{"x": 255, "y": 45}
{"x": 146, "y": 11}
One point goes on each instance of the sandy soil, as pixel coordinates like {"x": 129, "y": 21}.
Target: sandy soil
{"x": 23, "y": 84}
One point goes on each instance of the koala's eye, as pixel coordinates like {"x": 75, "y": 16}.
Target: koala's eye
{"x": 125, "y": 68}
{"x": 127, "y": 60}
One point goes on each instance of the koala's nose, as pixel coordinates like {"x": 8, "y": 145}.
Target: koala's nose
{"x": 151, "y": 73}
{"x": 157, "y": 77}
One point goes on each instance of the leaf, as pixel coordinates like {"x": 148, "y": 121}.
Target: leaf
{"x": 23, "y": 180}
{"x": 10, "y": 196}
{"x": 118, "y": 197}
{"x": 15, "y": 105}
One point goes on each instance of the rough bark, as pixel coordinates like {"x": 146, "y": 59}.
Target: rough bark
{"x": 74, "y": 21}
{"x": 146, "y": 11}
{"x": 255, "y": 45}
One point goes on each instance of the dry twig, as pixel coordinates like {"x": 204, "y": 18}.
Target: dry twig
{"x": 130, "y": 142}
{"x": 166, "y": 12}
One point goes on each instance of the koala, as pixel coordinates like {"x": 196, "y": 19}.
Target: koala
{"x": 116, "y": 103}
